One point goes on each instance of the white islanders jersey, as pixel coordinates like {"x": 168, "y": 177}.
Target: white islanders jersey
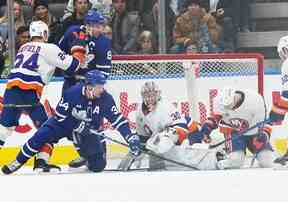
{"x": 164, "y": 115}
{"x": 35, "y": 64}
{"x": 250, "y": 112}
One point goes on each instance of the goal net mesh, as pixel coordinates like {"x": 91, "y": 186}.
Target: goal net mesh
{"x": 192, "y": 79}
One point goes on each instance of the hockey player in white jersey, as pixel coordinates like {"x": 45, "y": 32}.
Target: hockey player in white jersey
{"x": 234, "y": 112}
{"x": 162, "y": 129}
{"x": 280, "y": 108}
{"x": 34, "y": 65}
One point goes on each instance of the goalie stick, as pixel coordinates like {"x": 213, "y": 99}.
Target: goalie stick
{"x": 145, "y": 151}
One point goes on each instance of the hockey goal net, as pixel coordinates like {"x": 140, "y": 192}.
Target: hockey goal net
{"x": 201, "y": 75}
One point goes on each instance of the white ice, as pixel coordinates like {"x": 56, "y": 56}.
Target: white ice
{"x": 245, "y": 185}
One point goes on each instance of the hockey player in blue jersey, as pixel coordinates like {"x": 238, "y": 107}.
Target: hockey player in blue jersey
{"x": 98, "y": 52}
{"x": 98, "y": 46}
{"x": 81, "y": 108}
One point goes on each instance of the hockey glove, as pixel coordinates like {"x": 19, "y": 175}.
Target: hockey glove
{"x": 260, "y": 140}
{"x": 78, "y": 50}
{"x": 195, "y": 137}
{"x": 134, "y": 144}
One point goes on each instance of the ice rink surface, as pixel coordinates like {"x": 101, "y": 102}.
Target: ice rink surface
{"x": 245, "y": 185}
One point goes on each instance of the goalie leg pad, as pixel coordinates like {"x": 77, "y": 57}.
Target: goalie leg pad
{"x": 156, "y": 163}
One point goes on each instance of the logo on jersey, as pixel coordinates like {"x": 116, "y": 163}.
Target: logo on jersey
{"x": 238, "y": 124}
{"x": 96, "y": 110}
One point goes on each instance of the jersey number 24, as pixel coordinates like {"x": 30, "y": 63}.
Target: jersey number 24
{"x": 29, "y": 62}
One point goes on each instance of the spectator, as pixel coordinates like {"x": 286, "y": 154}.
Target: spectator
{"x": 237, "y": 10}
{"x": 196, "y": 28}
{"x": 22, "y": 36}
{"x": 150, "y": 22}
{"x": 146, "y": 44}
{"x": 227, "y": 13}
{"x": 125, "y": 26}
{"x": 77, "y": 18}
{"x": 177, "y": 6}
{"x": 18, "y": 19}
{"x": 41, "y": 12}
{"x": 242, "y": 14}
{"x": 103, "y": 6}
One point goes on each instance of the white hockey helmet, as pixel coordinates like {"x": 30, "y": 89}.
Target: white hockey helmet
{"x": 226, "y": 97}
{"x": 282, "y": 47}
{"x": 150, "y": 93}
{"x": 39, "y": 29}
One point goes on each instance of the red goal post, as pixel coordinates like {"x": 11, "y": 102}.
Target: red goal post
{"x": 204, "y": 74}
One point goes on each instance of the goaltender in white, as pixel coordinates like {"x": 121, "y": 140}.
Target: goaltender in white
{"x": 164, "y": 131}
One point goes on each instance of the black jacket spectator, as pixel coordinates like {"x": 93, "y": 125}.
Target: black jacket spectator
{"x": 77, "y": 17}
{"x": 150, "y": 22}
{"x": 125, "y": 26}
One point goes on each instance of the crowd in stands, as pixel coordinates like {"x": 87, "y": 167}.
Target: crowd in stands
{"x": 194, "y": 26}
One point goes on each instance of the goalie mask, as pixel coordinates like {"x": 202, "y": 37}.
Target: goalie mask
{"x": 151, "y": 94}
{"x": 282, "y": 48}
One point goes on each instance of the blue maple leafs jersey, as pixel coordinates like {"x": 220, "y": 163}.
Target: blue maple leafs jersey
{"x": 99, "y": 54}
{"x": 74, "y": 107}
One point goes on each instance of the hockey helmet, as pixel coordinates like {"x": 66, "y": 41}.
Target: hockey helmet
{"x": 39, "y": 29}
{"x": 94, "y": 17}
{"x": 226, "y": 97}
{"x": 150, "y": 93}
{"x": 94, "y": 84}
{"x": 95, "y": 77}
{"x": 282, "y": 48}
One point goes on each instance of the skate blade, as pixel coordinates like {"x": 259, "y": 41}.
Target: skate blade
{"x": 43, "y": 172}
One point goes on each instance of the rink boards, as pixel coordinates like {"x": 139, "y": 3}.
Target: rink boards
{"x": 127, "y": 97}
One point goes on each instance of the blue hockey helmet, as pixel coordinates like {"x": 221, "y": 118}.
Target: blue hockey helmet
{"x": 95, "y": 77}
{"x": 94, "y": 17}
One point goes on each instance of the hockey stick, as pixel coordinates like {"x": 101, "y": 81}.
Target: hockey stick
{"x": 145, "y": 151}
{"x": 265, "y": 116}
{"x": 257, "y": 125}
{"x": 19, "y": 106}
